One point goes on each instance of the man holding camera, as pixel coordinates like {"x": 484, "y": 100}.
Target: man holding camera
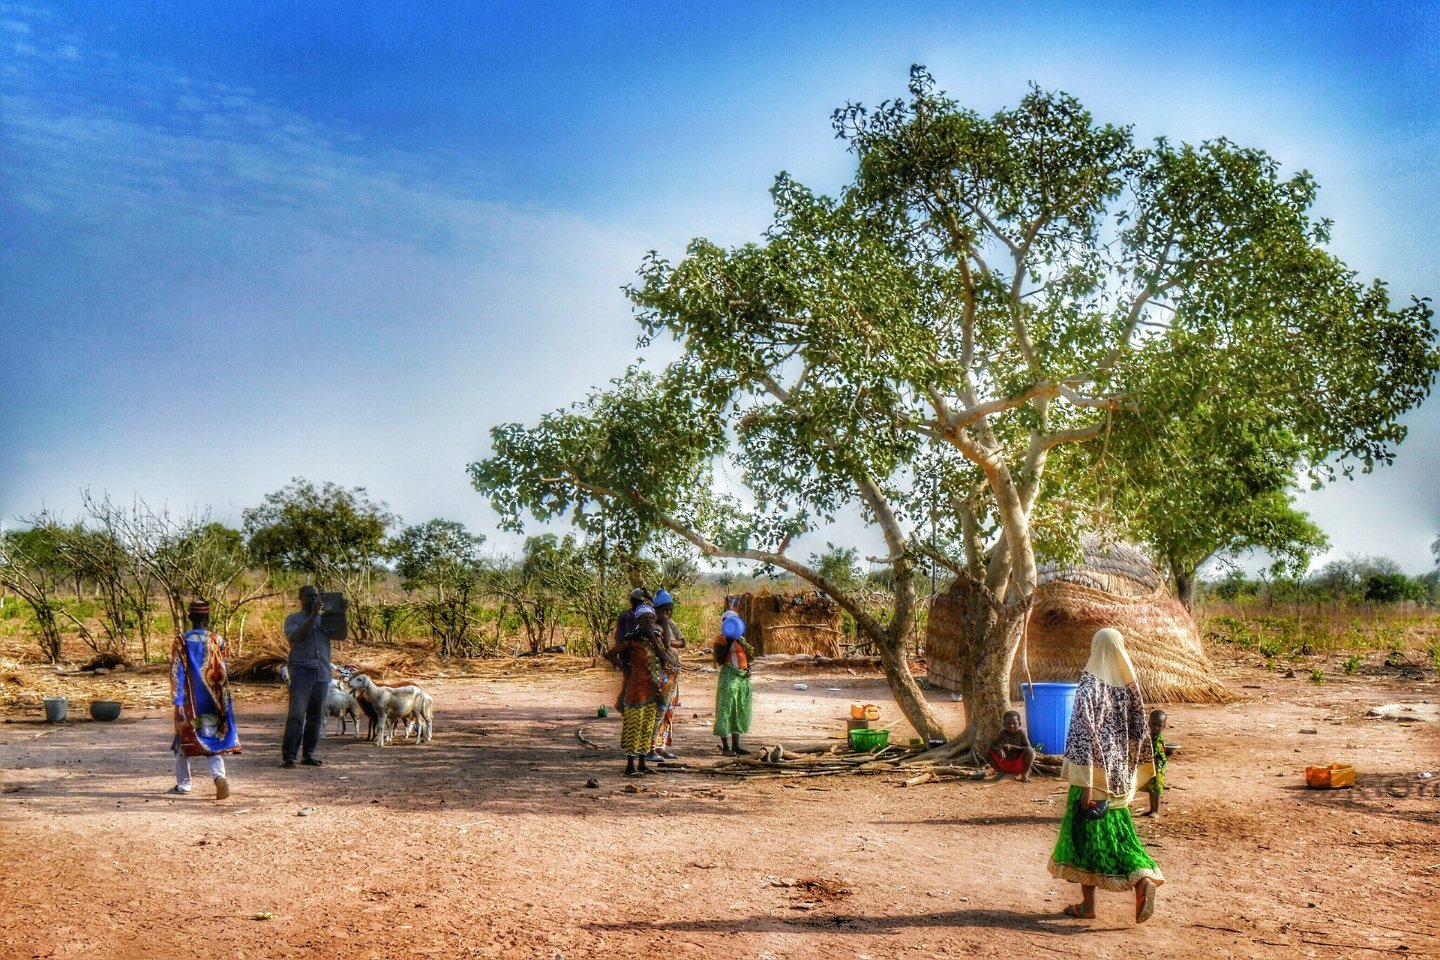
{"x": 309, "y": 663}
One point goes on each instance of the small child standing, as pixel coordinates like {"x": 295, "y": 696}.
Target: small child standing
{"x": 732, "y": 693}
{"x": 1011, "y": 753}
{"x": 1156, "y": 785}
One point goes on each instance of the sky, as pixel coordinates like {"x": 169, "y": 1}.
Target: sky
{"x": 241, "y": 243}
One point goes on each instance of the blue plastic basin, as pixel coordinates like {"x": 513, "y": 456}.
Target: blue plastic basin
{"x": 1047, "y": 714}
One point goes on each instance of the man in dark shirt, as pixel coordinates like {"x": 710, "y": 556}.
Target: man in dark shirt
{"x": 627, "y": 622}
{"x": 309, "y": 663}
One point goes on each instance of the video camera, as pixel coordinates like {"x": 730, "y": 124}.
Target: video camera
{"x": 332, "y": 616}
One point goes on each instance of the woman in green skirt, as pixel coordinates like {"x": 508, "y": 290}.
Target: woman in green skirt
{"x": 732, "y": 692}
{"x": 1107, "y": 752}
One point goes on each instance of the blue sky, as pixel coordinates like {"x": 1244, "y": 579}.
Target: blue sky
{"x": 245, "y": 242}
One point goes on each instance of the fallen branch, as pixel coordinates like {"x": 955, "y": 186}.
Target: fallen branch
{"x": 580, "y": 735}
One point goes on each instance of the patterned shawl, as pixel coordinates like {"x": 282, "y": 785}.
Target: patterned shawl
{"x": 1108, "y": 748}
{"x": 200, "y": 692}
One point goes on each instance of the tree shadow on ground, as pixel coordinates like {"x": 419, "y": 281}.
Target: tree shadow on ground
{"x": 1052, "y": 924}
{"x": 1400, "y": 796}
{"x": 503, "y": 762}
{"x": 989, "y": 820}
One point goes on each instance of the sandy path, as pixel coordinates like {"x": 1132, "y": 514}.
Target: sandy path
{"x": 487, "y": 843}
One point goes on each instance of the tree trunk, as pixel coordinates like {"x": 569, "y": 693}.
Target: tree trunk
{"x": 907, "y": 693}
{"x": 1185, "y": 588}
{"x": 990, "y": 636}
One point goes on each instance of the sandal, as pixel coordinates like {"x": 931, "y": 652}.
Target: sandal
{"x": 1145, "y": 903}
{"x": 1074, "y": 910}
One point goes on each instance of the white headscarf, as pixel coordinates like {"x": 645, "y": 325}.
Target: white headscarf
{"x": 1108, "y": 660}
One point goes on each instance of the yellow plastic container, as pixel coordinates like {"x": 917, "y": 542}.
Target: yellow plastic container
{"x": 872, "y": 712}
{"x": 1333, "y": 777}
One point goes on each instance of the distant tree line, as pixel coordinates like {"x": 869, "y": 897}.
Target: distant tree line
{"x": 1352, "y": 579}
{"x": 110, "y": 576}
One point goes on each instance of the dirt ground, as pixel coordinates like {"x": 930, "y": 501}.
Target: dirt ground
{"x": 487, "y": 842}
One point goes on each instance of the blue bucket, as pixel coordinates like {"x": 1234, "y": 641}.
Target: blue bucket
{"x": 1047, "y": 714}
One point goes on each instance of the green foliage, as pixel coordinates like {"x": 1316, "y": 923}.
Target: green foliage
{"x": 1002, "y": 326}
{"x": 1352, "y": 664}
{"x": 440, "y": 561}
{"x": 33, "y": 567}
{"x": 1352, "y": 579}
{"x": 839, "y": 565}
{"x": 335, "y": 536}
{"x": 1392, "y": 588}
{"x": 1317, "y": 675}
{"x": 330, "y": 533}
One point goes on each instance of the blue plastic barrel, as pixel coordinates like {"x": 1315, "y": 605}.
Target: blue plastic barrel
{"x": 1047, "y": 714}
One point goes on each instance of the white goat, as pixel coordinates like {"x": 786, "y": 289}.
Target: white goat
{"x": 340, "y": 703}
{"x": 393, "y": 704}
{"x": 421, "y": 718}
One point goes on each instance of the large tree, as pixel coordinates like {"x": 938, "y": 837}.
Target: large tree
{"x": 440, "y": 561}
{"x": 955, "y": 339}
{"x": 336, "y": 536}
{"x": 34, "y": 568}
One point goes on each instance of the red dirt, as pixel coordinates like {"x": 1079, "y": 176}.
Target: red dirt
{"x": 486, "y": 843}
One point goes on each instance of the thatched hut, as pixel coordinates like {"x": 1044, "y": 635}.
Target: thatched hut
{"x": 1113, "y": 586}
{"x": 790, "y": 622}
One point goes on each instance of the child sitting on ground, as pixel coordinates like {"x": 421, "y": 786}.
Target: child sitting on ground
{"x": 1156, "y": 784}
{"x": 1011, "y": 753}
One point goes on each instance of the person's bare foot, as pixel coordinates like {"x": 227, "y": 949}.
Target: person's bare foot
{"x": 1078, "y": 911}
{"x": 1023, "y": 778}
{"x": 1144, "y": 900}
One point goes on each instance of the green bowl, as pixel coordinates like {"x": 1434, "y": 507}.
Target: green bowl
{"x": 868, "y": 741}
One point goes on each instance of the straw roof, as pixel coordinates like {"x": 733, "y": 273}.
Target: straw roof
{"x": 790, "y": 623}
{"x": 1159, "y": 635}
{"x": 1119, "y": 590}
{"x": 1117, "y": 568}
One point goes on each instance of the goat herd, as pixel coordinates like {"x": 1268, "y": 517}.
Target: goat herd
{"x": 385, "y": 707}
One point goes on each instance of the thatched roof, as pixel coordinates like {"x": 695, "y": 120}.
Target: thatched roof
{"x": 1117, "y": 568}
{"x": 1114, "y": 587}
{"x": 1159, "y": 635}
{"x": 790, "y": 623}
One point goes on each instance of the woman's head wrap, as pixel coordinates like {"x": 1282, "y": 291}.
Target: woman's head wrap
{"x": 643, "y": 609}
{"x": 1108, "y": 661}
{"x": 662, "y": 597}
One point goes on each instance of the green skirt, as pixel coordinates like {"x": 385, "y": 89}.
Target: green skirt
{"x": 732, "y": 703}
{"x": 1104, "y": 853}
